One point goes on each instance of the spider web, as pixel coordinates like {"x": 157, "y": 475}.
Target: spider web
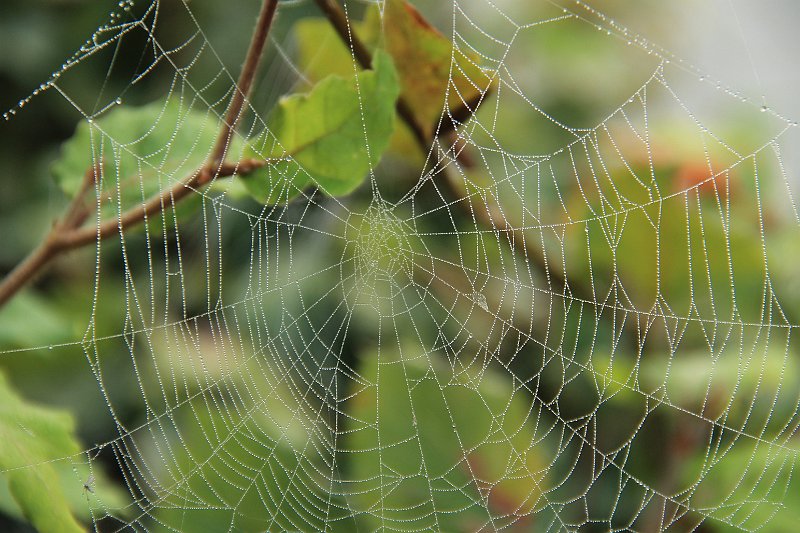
{"x": 402, "y": 359}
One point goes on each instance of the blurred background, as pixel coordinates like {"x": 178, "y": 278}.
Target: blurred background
{"x": 238, "y": 368}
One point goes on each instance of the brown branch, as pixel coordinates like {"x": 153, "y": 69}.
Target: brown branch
{"x": 69, "y": 233}
{"x": 245, "y": 83}
{"x": 489, "y": 216}
{"x": 78, "y": 237}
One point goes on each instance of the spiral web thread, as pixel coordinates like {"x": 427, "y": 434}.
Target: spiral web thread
{"x": 255, "y": 416}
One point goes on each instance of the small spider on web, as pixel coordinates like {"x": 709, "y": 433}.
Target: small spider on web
{"x": 88, "y": 485}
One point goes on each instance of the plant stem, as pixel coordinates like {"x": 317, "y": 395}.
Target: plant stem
{"x": 28, "y": 268}
{"x": 245, "y": 83}
{"x": 167, "y": 198}
{"x": 69, "y": 233}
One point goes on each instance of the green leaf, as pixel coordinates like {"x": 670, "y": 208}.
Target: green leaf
{"x": 331, "y": 137}
{"x": 34, "y": 479}
{"x": 437, "y": 80}
{"x": 320, "y": 50}
{"x": 143, "y": 150}
{"x": 435, "y": 446}
{"x": 30, "y": 320}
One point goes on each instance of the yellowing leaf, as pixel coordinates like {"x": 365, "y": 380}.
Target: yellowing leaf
{"x": 434, "y": 76}
{"x": 320, "y": 49}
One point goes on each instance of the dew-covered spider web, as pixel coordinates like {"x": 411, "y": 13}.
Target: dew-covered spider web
{"x": 577, "y": 311}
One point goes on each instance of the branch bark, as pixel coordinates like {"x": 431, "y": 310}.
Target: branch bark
{"x": 245, "y": 82}
{"x": 69, "y": 233}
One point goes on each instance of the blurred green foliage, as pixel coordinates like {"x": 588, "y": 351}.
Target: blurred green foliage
{"x": 367, "y": 381}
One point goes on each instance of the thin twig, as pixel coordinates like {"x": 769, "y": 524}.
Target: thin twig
{"x": 167, "y": 198}
{"x": 69, "y": 233}
{"x": 245, "y": 83}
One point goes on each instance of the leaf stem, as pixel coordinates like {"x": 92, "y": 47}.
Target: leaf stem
{"x": 69, "y": 233}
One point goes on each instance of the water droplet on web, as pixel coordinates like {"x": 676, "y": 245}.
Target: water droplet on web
{"x": 764, "y": 109}
{"x": 118, "y": 101}
{"x": 50, "y": 347}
